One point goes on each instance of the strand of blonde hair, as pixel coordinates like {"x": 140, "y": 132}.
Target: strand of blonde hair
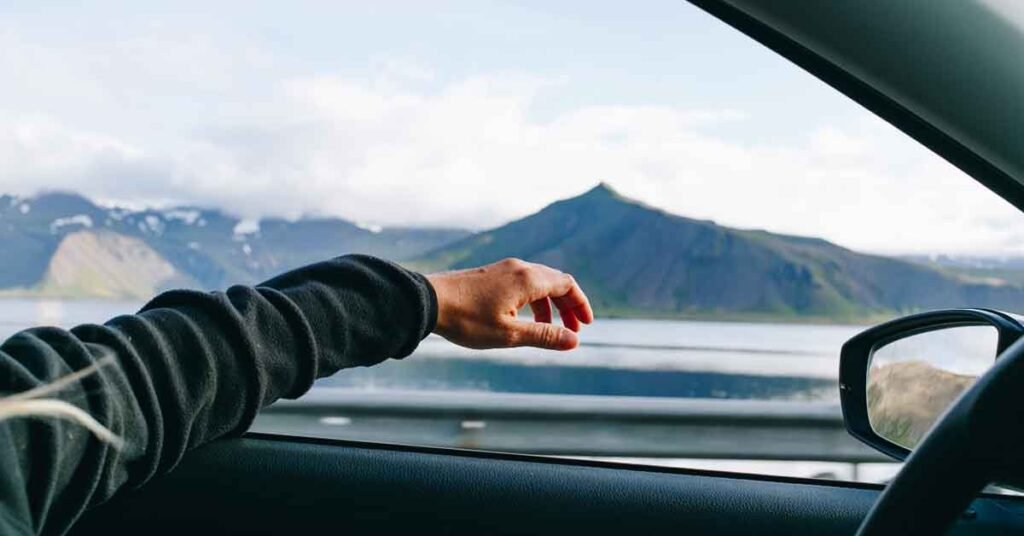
{"x": 31, "y": 403}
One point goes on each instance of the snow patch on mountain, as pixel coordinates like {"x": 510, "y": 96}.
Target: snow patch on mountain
{"x": 246, "y": 227}
{"x": 373, "y": 228}
{"x": 78, "y": 219}
{"x": 188, "y": 217}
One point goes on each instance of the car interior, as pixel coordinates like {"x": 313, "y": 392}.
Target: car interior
{"x": 962, "y": 102}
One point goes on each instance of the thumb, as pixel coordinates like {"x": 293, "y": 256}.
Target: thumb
{"x": 542, "y": 335}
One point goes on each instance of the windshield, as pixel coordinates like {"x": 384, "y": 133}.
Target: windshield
{"x": 732, "y": 219}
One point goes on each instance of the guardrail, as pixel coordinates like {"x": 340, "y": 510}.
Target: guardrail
{"x": 575, "y": 425}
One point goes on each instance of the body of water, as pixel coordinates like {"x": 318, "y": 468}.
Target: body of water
{"x": 635, "y": 358}
{"x": 17, "y": 314}
{"x": 616, "y": 357}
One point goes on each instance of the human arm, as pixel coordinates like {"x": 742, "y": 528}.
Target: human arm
{"x": 188, "y": 368}
{"x": 193, "y": 366}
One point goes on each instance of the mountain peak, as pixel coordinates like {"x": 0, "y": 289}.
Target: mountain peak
{"x": 602, "y": 189}
{"x": 60, "y": 203}
{"x": 605, "y": 193}
{"x": 61, "y": 196}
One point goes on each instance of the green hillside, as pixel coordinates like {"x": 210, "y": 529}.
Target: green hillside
{"x": 636, "y": 260}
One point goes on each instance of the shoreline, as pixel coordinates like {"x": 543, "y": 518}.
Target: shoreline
{"x": 710, "y": 317}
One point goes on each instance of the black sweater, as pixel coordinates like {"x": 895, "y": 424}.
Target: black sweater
{"x": 188, "y": 368}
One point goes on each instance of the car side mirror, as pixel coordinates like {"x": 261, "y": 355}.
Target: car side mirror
{"x": 896, "y": 379}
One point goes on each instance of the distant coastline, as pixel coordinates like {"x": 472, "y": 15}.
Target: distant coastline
{"x": 726, "y": 317}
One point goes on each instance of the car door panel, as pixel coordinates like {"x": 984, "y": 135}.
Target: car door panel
{"x": 273, "y": 485}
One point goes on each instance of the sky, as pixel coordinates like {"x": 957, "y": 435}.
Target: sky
{"x": 466, "y": 114}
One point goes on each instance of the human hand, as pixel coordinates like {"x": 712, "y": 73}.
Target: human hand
{"x": 477, "y": 307}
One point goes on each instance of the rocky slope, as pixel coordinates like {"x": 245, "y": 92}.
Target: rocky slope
{"x": 907, "y": 397}
{"x": 108, "y": 265}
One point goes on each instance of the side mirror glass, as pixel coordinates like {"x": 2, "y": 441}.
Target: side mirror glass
{"x": 913, "y": 380}
{"x": 898, "y": 378}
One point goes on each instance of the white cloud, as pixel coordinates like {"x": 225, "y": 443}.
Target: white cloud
{"x": 407, "y": 149}
{"x": 832, "y": 141}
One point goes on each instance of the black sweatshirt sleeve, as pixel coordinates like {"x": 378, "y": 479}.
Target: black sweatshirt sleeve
{"x": 188, "y": 368}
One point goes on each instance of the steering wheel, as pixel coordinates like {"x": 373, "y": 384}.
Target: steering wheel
{"x": 980, "y": 439}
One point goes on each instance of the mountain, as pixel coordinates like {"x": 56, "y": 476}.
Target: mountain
{"x": 62, "y": 244}
{"x": 635, "y": 259}
{"x": 631, "y": 258}
{"x": 992, "y": 269}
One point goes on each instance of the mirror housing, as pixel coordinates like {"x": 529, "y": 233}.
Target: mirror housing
{"x": 856, "y": 354}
